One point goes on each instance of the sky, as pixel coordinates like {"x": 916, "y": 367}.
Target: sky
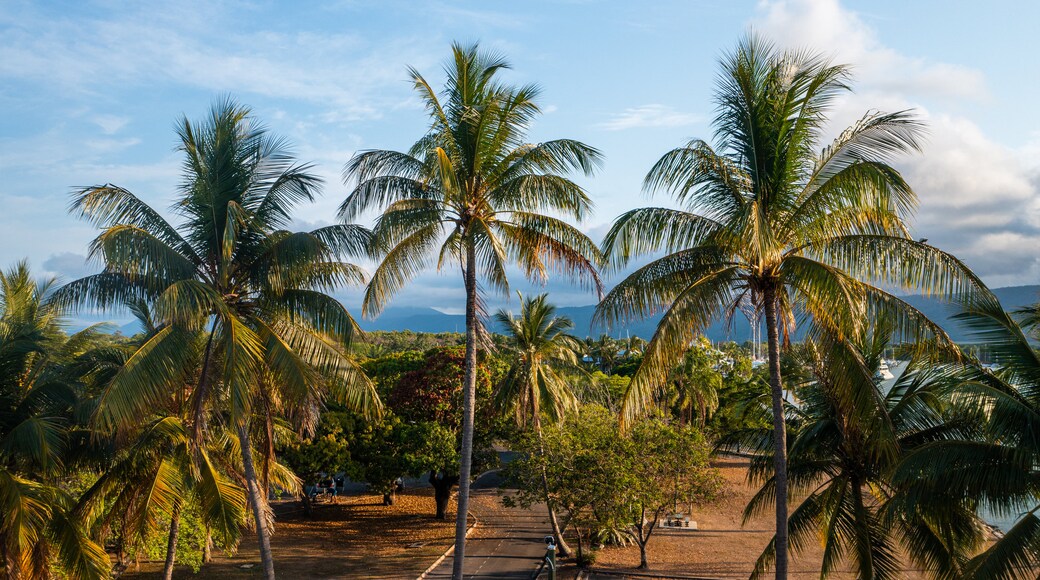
{"x": 90, "y": 92}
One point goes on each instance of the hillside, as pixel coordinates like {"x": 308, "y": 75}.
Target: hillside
{"x": 430, "y": 320}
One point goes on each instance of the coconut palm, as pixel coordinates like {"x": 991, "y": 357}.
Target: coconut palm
{"x": 999, "y": 469}
{"x": 607, "y": 353}
{"x": 37, "y": 526}
{"x": 764, "y": 216}
{"x": 161, "y": 471}
{"x": 474, "y": 194}
{"x": 275, "y": 343}
{"x": 841, "y": 462}
{"x": 697, "y": 381}
{"x": 156, "y": 477}
{"x": 540, "y": 351}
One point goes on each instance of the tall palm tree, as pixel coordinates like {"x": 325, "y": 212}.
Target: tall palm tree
{"x": 842, "y": 459}
{"x": 763, "y": 215}
{"x": 275, "y": 342}
{"x": 37, "y": 525}
{"x": 540, "y": 350}
{"x": 999, "y": 468}
{"x": 473, "y": 193}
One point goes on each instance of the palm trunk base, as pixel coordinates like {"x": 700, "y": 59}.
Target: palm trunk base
{"x": 257, "y": 502}
{"x": 171, "y": 545}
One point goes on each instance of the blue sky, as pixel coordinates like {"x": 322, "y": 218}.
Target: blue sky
{"x": 90, "y": 92}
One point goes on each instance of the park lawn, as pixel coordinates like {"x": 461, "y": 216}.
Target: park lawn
{"x": 358, "y": 537}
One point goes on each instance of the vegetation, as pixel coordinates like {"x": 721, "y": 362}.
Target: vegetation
{"x": 842, "y": 461}
{"x": 250, "y": 380}
{"x": 472, "y": 191}
{"x": 768, "y": 218}
{"x": 612, "y": 487}
{"x": 232, "y": 278}
{"x": 996, "y": 468}
{"x": 38, "y": 529}
{"x": 539, "y": 351}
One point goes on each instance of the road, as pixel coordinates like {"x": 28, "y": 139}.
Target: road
{"x": 508, "y": 543}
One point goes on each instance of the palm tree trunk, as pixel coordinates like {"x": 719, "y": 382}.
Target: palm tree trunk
{"x": 469, "y": 389}
{"x": 200, "y": 394}
{"x": 563, "y": 549}
{"x": 864, "y": 541}
{"x": 171, "y": 544}
{"x": 779, "y": 433}
{"x": 256, "y": 501}
{"x": 207, "y": 548}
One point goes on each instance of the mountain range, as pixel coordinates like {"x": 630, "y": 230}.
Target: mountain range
{"x": 739, "y": 330}
{"x": 432, "y": 320}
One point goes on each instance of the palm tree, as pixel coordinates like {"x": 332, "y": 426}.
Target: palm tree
{"x": 37, "y": 526}
{"x": 540, "y": 350}
{"x": 764, "y": 216}
{"x": 998, "y": 469}
{"x": 633, "y": 347}
{"x": 275, "y": 342}
{"x": 157, "y": 476}
{"x": 474, "y": 194}
{"x": 697, "y": 382}
{"x": 161, "y": 471}
{"x": 607, "y": 351}
{"x": 843, "y": 453}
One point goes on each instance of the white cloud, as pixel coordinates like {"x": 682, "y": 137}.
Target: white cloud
{"x": 147, "y": 48}
{"x": 979, "y": 199}
{"x": 826, "y": 25}
{"x": 652, "y": 115}
{"x": 110, "y": 124}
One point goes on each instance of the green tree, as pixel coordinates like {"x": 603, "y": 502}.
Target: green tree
{"x": 540, "y": 351}
{"x": 433, "y": 393}
{"x": 663, "y": 466}
{"x": 610, "y": 484}
{"x": 743, "y": 386}
{"x": 156, "y": 471}
{"x": 276, "y": 343}
{"x": 157, "y": 478}
{"x": 607, "y": 352}
{"x": 697, "y": 381}
{"x": 473, "y": 193}
{"x": 766, "y": 218}
{"x": 384, "y": 451}
{"x": 326, "y": 451}
{"x": 38, "y": 529}
{"x": 574, "y": 463}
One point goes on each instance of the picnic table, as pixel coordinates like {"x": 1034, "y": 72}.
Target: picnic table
{"x": 678, "y": 520}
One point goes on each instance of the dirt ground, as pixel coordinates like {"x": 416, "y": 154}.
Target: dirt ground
{"x": 355, "y": 538}
{"x": 721, "y": 547}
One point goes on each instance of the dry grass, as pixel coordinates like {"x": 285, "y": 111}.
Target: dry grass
{"x": 360, "y": 539}
{"x": 722, "y": 547}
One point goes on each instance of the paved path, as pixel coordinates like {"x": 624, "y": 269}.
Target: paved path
{"x": 508, "y": 543}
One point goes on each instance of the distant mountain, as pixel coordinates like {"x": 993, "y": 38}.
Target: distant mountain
{"x": 429, "y": 320}
{"x": 1011, "y": 298}
{"x": 416, "y": 319}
